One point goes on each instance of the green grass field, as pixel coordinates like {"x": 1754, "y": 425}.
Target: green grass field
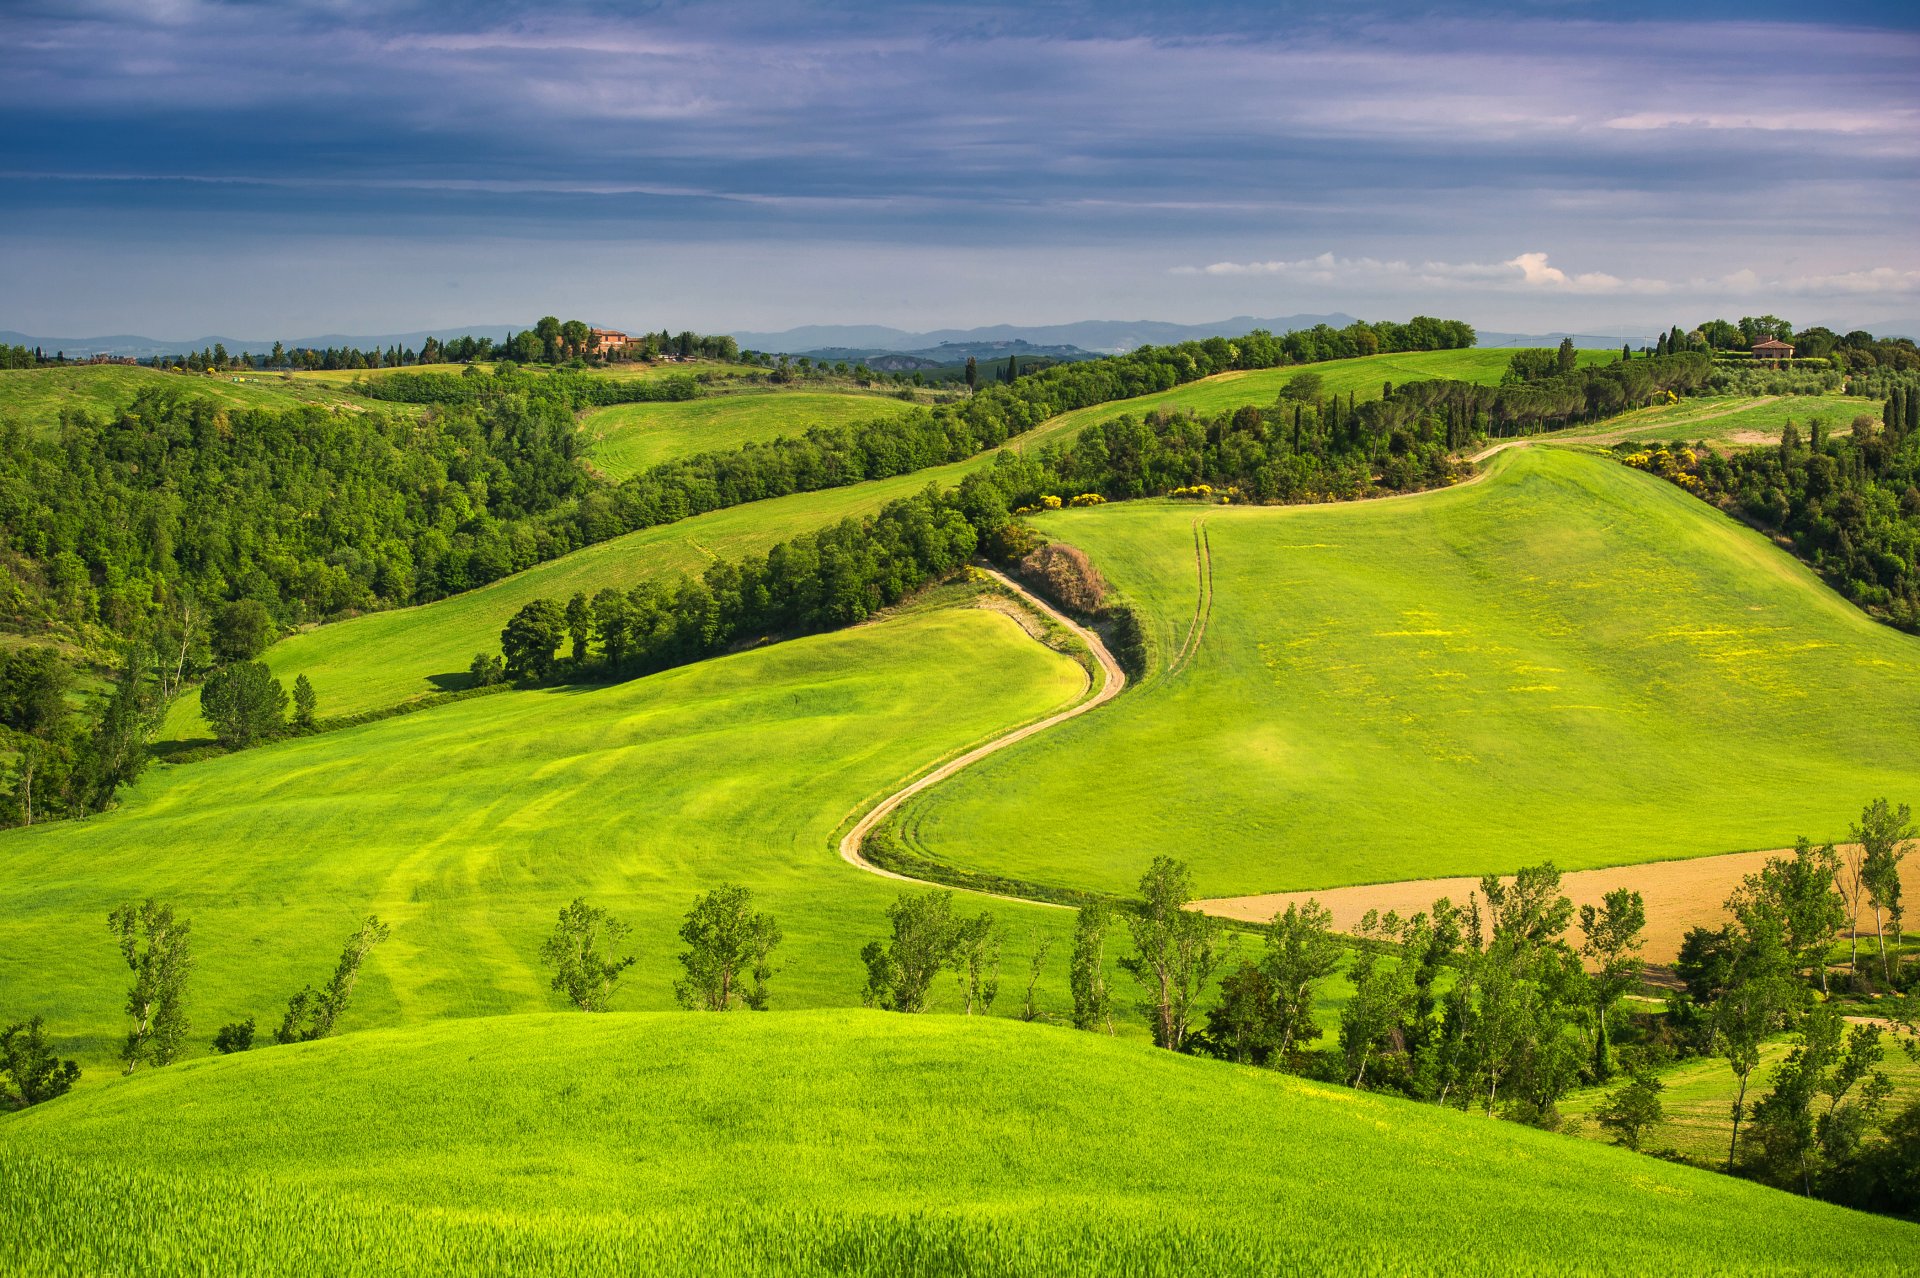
{"x": 625, "y": 439}
{"x": 1568, "y": 660}
{"x": 843, "y": 1143}
{"x": 35, "y": 397}
{"x": 1363, "y": 377}
{"x": 468, "y": 828}
{"x": 1730, "y": 420}
{"x": 619, "y": 372}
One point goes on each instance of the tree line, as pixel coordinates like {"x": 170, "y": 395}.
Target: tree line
{"x": 549, "y": 341}
{"x": 1849, "y": 503}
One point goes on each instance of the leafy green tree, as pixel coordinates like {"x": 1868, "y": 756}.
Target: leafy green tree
{"x": 485, "y": 671}
{"x": 976, "y": 961}
{"x": 727, "y": 942}
{"x": 1633, "y": 1109}
{"x": 241, "y": 630}
{"x": 1175, "y": 950}
{"x": 244, "y": 704}
{"x": 1087, "y": 970}
{"x": 1301, "y": 953}
{"x": 312, "y": 1014}
{"x": 610, "y": 626}
{"x": 1566, "y": 357}
{"x": 900, "y": 971}
{"x": 235, "y": 1036}
{"x": 156, "y": 948}
{"x": 547, "y": 329}
{"x": 304, "y": 705}
{"x": 30, "y": 1070}
{"x": 33, "y": 690}
{"x": 1041, "y": 945}
{"x": 579, "y": 625}
{"x": 1885, "y": 837}
{"x": 1758, "y": 997}
{"x": 1798, "y": 897}
{"x": 581, "y": 953}
{"x": 1612, "y": 936}
{"x": 531, "y": 639}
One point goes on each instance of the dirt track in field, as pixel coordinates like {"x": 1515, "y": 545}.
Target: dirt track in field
{"x": 1679, "y": 895}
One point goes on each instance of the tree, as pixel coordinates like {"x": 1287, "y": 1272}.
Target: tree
{"x": 304, "y": 704}
{"x": 575, "y": 334}
{"x": 1633, "y": 1109}
{"x": 1301, "y": 952}
{"x": 727, "y": 942}
{"x": 610, "y": 625}
{"x": 1382, "y": 993}
{"x": 1087, "y": 969}
{"x": 1042, "y": 945}
{"x": 155, "y": 946}
{"x": 1758, "y": 995}
{"x": 1612, "y": 937}
{"x": 485, "y": 671}
{"x": 235, "y": 1036}
{"x": 33, "y": 690}
{"x": 1885, "y": 836}
{"x": 30, "y": 1070}
{"x": 1800, "y": 896}
{"x": 244, "y": 704}
{"x": 312, "y": 1014}
{"x": 1175, "y": 950}
{"x": 580, "y": 952}
{"x": 900, "y": 970}
{"x": 579, "y": 625}
{"x": 547, "y": 329}
{"x": 241, "y": 630}
{"x": 976, "y": 961}
{"x": 530, "y": 639}
{"x": 1565, "y": 358}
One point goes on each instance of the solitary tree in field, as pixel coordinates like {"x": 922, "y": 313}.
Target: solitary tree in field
{"x": 154, "y": 944}
{"x": 580, "y": 952}
{"x": 1175, "y": 950}
{"x": 30, "y": 1070}
{"x": 1087, "y": 972}
{"x": 1612, "y": 936}
{"x": 900, "y": 970}
{"x": 312, "y": 1014}
{"x": 727, "y": 943}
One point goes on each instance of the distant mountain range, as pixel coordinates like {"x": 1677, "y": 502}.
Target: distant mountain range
{"x": 1101, "y": 337}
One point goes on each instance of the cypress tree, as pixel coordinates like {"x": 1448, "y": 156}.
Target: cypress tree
{"x": 1912, "y": 402}
{"x": 1660, "y": 347}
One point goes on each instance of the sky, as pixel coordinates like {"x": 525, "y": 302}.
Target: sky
{"x": 279, "y": 168}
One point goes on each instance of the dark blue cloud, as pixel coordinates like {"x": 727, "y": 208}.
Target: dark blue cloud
{"x": 1648, "y": 142}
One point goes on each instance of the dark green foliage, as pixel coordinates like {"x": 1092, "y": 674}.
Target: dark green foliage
{"x": 305, "y": 704}
{"x": 241, "y": 630}
{"x": 236, "y": 1036}
{"x": 244, "y": 704}
{"x": 156, "y": 949}
{"x": 30, "y": 1070}
{"x": 486, "y": 671}
{"x": 1633, "y": 1109}
{"x": 33, "y": 690}
{"x": 1611, "y": 938}
{"x": 900, "y": 970}
{"x": 312, "y": 1014}
{"x": 1265, "y": 1014}
{"x": 580, "y": 952}
{"x": 727, "y": 942}
{"x": 531, "y": 640}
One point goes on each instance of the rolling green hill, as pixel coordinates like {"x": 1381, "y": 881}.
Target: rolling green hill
{"x": 35, "y": 397}
{"x": 1568, "y": 660}
{"x": 844, "y": 1143}
{"x": 1362, "y": 377}
{"x": 467, "y": 828}
{"x": 627, "y": 438}
{"x": 1738, "y": 420}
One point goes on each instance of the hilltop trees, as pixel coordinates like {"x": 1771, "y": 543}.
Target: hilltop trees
{"x": 728, "y": 943}
{"x": 580, "y": 951}
{"x": 155, "y": 945}
{"x": 312, "y": 1014}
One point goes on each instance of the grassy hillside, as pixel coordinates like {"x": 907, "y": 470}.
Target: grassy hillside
{"x": 467, "y": 829}
{"x": 1736, "y": 420}
{"x": 847, "y": 1142}
{"x": 1568, "y": 660}
{"x": 35, "y": 397}
{"x": 627, "y": 438}
{"x": 1363, "y": 377}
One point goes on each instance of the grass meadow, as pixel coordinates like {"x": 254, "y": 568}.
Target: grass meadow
{"x": 1363, "y": 377}
{"x": 468, "y": 827}
{"x": 1567, "y": 660}
{"x": 842, "y": 1142}
{"x": 35, "y": 397}
{"x": 1734, "y": 421}
{"x": 625, "y": 439}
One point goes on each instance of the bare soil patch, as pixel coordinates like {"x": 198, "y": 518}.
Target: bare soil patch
{"x": 1680, "y": 895}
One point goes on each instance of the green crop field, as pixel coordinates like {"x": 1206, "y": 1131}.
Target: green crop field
{"x": 1735, "y": 420}
{"x": 625, "y": 439}
{"x": 468, "y": 827}
{"x": 1567, "y": 660}
{"x": 35, "y": 397}
{"x": 1363, "y": 377}
{"x": 830, "y": 1143}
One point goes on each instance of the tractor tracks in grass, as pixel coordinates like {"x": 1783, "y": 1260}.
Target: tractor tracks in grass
{"x": 1109, "y": 688}
{"x": 1203, "y": 599}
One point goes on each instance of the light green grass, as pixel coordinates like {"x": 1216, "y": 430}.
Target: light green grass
{"x": 617, "y": 372}
{"x": 469, "y": 826}
{"x": 1567, "y": 660}
{"x": 384, "y": 658}
{"x": 35, "y": 397}
{"x": 855, "y": 1142}
{"x": 1736, "y": 420}
{"x": 1363, "y": 377}
{"x": 625, "y": 439}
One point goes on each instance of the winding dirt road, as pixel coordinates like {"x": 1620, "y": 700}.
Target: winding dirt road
{"x": 1116, "y": 679}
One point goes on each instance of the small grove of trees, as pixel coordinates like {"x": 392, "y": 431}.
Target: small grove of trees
{"x": 728, "y": 944}
{"x": 928, "y": 938}
{"x": 581, "y": 952}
